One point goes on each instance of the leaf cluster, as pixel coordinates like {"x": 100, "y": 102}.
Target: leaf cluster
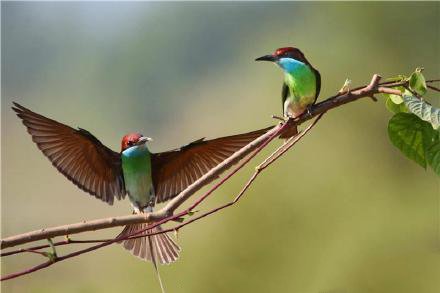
{"x": 414, "y": 127}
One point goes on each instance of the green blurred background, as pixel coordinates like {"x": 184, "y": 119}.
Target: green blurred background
{"x": 342, "y": 212}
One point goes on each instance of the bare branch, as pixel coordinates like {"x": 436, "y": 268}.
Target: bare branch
{"x": 433, "y": 88}
{"x": 292, "y": 141}
{"x": 287, "y": 145}
{"x": 74, "y": 228}
{"x": 340, "y": 99}
{"x": 28, "y": 271}
{"x": 168, "y": 210}
{"x": 161, "y": 214}
{"x": 273, "y": 133}
{"x": 167, "y": 213}
{"x": 59, "y": 243}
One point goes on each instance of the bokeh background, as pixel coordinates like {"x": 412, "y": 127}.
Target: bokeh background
{"x": 342, "y": 212}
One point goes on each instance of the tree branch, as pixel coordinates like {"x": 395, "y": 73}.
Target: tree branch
{"x": 272, "y": 158}
{"x": 161, "y": 214}
{"x": 273, "y": 133}
{"x": 340, "y": 99}
{"x": 167, "y": 213}
{"x": 168, "y": 210}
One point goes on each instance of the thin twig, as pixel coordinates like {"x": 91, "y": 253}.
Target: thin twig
{"x": 287, "y": 145}
{"x": 433, "y": 88}
{"x": 27, "y": 271}
{"x": 59, "y": 243}
{"x": 35, "y": 251}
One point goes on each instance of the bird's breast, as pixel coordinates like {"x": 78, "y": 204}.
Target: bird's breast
{"x": 138, "y": 178}
{"x": 302, "y": 87}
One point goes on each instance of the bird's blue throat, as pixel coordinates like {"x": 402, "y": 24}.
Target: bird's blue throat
{"x": 135, "y": 151}
{"x": 290, "y": 65}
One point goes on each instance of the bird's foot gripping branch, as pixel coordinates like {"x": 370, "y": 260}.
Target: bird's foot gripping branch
{"x": 413, "y": 129}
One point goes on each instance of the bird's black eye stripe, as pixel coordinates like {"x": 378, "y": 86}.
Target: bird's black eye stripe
{"x": 130, "y": 142}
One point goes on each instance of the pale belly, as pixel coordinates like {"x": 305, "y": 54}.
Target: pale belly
{"x": 140, "y": 191}
{"x": 295, "y": 107}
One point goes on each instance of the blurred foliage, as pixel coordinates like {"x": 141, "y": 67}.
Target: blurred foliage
{"x": 342, "y": 212}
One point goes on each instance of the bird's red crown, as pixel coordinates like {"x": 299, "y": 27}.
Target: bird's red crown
{"x": 290, "y": 52}
{"x": 284, "y": 51}
{"x": 129, "y": 140}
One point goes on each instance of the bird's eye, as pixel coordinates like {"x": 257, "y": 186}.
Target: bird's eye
{"x": 130, "y": 143}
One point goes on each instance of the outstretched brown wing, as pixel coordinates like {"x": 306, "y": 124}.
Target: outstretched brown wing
{"x": 77, "y": 154}
{"x": 175, "y": 170}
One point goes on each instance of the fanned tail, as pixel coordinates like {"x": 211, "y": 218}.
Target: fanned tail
{"x": 159, "y": 248}
{"x": 162, "y": 288}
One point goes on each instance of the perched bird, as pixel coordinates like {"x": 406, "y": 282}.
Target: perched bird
{"x": 147, "y": 178}
{"x": 302, "y": 82}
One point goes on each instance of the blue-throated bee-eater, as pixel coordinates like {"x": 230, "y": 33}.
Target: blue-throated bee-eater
{"x": 301, "y": 86}
{"x": 147, "y": 178}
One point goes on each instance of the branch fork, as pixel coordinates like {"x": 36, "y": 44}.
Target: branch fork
{"x": 168, "y": 212}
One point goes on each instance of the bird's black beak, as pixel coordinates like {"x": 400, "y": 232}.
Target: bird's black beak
{"x": 270, "y": 58}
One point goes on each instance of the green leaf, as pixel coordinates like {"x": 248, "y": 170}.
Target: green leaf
{"x": 422, "y": 109}
{"x": 394, "y": 103}
{"x": 411, "y": 135}
{"x": 433, "y": 157}
{"x": 396, "y": 99}
{"x": 433, "y": 153}
{"x": 417, "y": 82}
{"x": 395, "y": 108}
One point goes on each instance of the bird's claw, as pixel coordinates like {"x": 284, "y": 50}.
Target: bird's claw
{"x": 309, "y": 111}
